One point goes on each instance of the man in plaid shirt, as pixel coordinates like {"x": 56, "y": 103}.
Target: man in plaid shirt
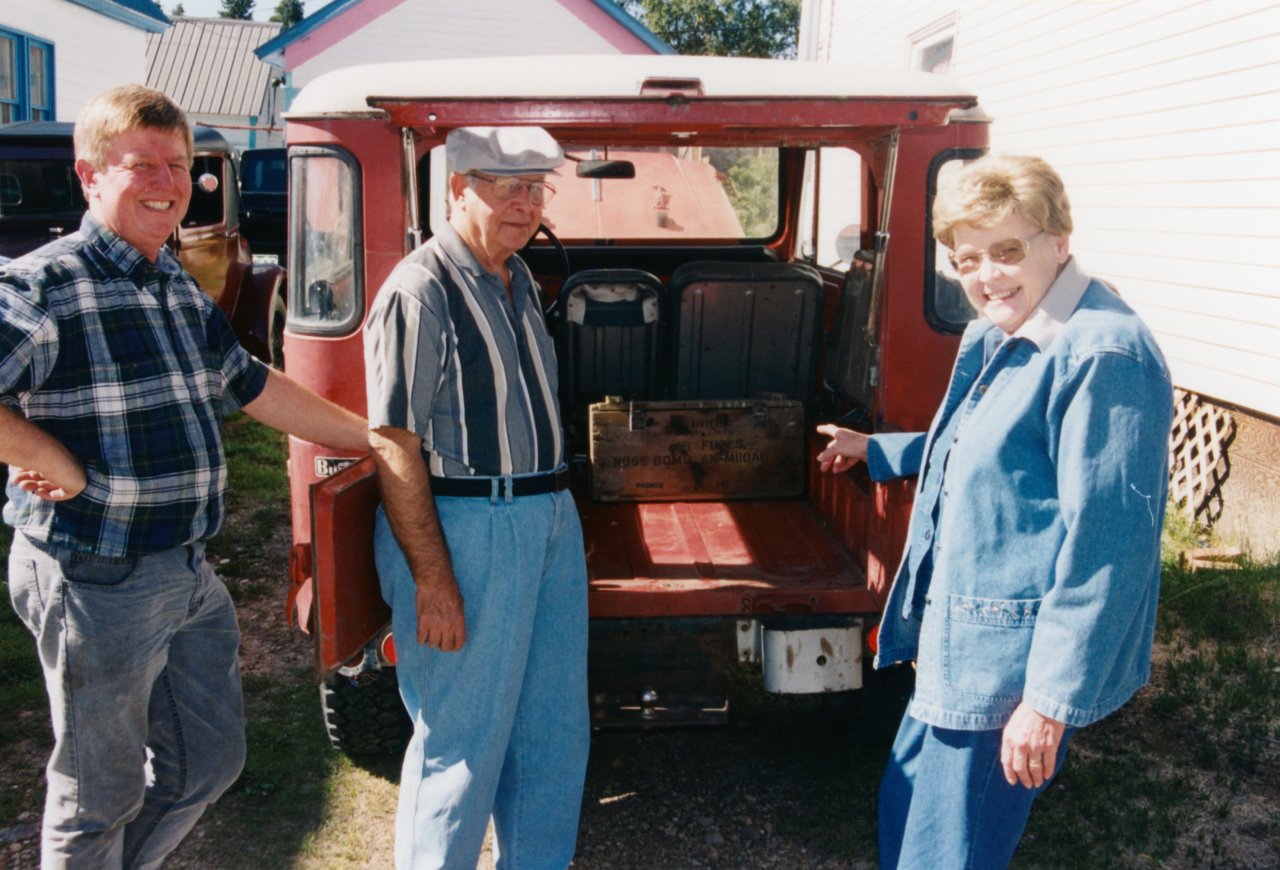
{"x": 115, "y": 371}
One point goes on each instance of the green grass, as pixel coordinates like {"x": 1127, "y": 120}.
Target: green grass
{"x": 1202, "y": 739}
{"x": 22, "y": 694}
{"x": 257, "y": 505}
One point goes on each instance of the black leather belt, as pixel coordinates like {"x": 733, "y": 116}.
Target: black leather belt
{"x": 483, "y": 487}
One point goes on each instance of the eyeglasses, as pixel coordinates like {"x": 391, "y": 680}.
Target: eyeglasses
{"x": 508, "y": 187}
{"x": 1006, "y": 252}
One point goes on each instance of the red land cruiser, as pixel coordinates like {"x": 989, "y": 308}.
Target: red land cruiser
{"x": 738, "y": 250}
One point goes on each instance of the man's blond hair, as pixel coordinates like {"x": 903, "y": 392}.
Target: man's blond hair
{"x": 120, "y": 110}
{"x": 988, "y": 190}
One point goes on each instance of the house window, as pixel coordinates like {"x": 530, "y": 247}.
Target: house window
{"x": 26, "y": 78}
{"x": 932, "y": 47}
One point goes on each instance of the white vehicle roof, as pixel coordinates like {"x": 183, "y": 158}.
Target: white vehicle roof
{"x": 347, "y": 92}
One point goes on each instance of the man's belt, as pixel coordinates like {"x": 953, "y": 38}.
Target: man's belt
{"x": 496, "y": 487}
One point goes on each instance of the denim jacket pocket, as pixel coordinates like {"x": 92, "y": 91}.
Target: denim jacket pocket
{"x": 986, "y": 643}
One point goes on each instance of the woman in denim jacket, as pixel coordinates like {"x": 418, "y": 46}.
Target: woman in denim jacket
{"x": 1027, "y": 593}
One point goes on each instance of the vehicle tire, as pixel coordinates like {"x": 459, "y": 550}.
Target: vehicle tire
{"x": 364, "y": 714}
{"x": 276, "y": 339}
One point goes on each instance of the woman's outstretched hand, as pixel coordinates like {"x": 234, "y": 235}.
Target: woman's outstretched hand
{"x": 845, "y": 449}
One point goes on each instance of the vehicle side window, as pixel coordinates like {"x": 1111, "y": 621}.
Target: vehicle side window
{"x": 833, "y": 190}
{"x": 945, "y": 305}
{"x": 325, "y": 292}
{"x": 36, "y": 183}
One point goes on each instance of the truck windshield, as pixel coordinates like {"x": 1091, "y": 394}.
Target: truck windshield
{"x": 263, "y": 170}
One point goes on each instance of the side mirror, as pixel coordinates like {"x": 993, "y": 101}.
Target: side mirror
{"x": 605, "y": 169}
{"x": 848, "y": 241}
{"x": 208, "y": 182}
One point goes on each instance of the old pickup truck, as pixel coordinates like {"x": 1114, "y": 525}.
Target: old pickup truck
{"x": 738, "y": 251}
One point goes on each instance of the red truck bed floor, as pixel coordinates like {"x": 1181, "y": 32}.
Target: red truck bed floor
{"x": 717, "y": 558}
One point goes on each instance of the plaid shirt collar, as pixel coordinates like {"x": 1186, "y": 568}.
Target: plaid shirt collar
{"x": 131, "y": 262}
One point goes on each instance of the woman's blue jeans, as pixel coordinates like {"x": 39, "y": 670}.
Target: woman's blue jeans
{"x": 501, "y": 726}
{"x": 944, "y": 801}
{"x": 140, "y": 659}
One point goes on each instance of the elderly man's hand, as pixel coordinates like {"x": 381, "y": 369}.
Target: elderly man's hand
{"x": 441, "y": 620}
{"x": 845, "y": 449}
{"x": 1029, "y": 749}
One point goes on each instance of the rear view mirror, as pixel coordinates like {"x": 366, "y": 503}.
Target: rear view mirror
{"x": 605, "y": 169}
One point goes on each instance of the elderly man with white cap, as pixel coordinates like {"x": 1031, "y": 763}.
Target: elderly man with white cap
{"x": 478, "y": 542}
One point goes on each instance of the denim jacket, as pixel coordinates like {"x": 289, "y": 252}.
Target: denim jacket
{"x": 1032, "y": 565}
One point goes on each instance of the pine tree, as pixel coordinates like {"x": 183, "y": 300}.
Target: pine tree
{"x": 288, "y": 13}
{"x": 242, "y": 9}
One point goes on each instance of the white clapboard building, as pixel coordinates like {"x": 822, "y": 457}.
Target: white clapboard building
{"x": 1163, "y": 117}
{"x": 57, "y": 54}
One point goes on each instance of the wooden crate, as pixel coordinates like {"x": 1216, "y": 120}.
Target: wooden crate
{"x": 691, "y": 450}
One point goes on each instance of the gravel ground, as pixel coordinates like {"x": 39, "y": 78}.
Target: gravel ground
{"x": 790, "y": 782}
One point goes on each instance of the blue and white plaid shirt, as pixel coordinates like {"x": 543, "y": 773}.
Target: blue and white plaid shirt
{"x": 131, "y": 366}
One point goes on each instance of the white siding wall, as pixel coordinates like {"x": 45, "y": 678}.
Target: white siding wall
{"x": 430, "y": 29}
{"x": 91, "y": 52}
{"x": 1163, "y": 117}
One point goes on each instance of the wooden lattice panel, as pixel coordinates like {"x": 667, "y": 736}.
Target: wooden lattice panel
{"x": 1198, "y": 455}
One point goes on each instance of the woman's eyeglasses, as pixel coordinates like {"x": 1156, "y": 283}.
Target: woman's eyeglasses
{"x": 508, "y": 187}
{"x": 1006, "y": 252}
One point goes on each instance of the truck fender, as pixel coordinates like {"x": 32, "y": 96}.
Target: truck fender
{"x": 261, "y": 302}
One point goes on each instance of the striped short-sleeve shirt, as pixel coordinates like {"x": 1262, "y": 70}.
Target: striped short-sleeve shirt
{"x": 130, "y": 366}
{"x": 449, "y": 357}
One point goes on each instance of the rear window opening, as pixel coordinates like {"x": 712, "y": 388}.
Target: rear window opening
{"x": 678, "y": 194}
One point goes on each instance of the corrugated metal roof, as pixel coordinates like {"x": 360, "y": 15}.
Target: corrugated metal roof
{"x": 207, "y": 65}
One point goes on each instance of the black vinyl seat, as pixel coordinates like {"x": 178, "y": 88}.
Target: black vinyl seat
{"x": 743, "y": 329}
{"x": 611, "y": 336}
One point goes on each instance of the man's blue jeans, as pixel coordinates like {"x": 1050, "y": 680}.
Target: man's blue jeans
{"x": 140, "y": 660}
{"x": 944, "y": 801}
{"x": 501, "y": 726}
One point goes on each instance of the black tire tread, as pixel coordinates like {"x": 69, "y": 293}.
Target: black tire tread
{"x": 364, "y": 715}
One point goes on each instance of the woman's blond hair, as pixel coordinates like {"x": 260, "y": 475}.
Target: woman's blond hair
{"x": 990, "y": 189}
{"x": 120, "y": 110}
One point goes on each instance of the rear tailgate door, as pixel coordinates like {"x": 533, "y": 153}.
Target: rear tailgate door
{"x": 349, "y": 609}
